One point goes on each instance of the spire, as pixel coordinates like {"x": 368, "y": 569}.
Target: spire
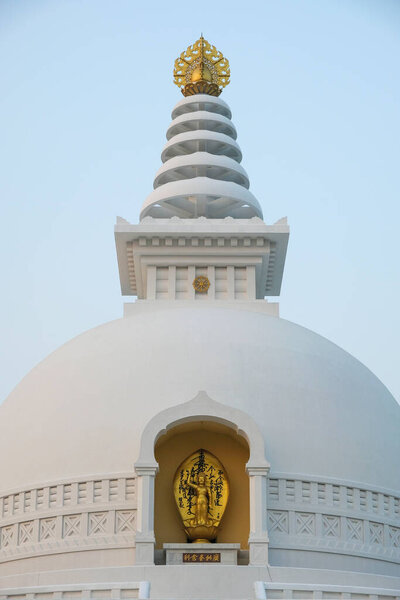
{"x": 201, "y": 69}
{"x": 201, "y": 175}
{"x": 201, "y": 234}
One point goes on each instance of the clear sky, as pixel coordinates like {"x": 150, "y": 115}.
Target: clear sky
{"x": 86, "y": 96}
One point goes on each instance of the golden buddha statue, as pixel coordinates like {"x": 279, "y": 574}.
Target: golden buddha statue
{"x": 201, "y": 491}
{"x": 203, "y": 494}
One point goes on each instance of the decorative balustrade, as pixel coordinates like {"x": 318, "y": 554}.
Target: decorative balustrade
{"x": 301, "y": 591}
{"x": 339, "y": 497}
{"x": 309, "y": 515}
{"x": 113, "y": 591}
{"x": 101, "y": 513}
{"x": 78, "y": 515}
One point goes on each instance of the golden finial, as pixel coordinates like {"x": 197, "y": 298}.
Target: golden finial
{"x": 201, "y": 69}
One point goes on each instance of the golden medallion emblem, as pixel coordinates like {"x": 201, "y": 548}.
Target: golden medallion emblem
{"x": 201, "y": 284}
{"x": 201, "y": 491}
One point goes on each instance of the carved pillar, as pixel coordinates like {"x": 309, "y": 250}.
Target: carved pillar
{"x": 145, "y": 539}
{"x": 258, "y": 539}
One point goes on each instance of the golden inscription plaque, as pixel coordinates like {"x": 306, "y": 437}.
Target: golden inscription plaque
{"x": 205, "y": 557}
{"x": 201, "y": 491}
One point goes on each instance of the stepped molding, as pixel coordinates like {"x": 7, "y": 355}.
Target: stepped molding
{"x": 249, "y": 254}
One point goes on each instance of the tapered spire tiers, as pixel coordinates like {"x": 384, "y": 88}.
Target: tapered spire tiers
{"x": 201, "y": 69}
{"x": 201, "y": 175}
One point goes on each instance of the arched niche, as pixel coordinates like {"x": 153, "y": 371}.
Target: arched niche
{"x": 232, "y": 450}
{"x": 202, "y": 409}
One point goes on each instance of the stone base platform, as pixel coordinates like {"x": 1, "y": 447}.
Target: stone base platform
{"x": 198, "y": 554}
{"x": 210, "y": 582}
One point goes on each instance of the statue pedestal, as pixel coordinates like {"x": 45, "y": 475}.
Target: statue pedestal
{"x": 201, "y": 554}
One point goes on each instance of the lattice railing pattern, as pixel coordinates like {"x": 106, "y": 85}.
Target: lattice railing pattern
{"x": 68, "y": 516}
{"x": 338, "y": 518}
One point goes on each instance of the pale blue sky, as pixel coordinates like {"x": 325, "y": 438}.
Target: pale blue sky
{"x": 86, "y": 99}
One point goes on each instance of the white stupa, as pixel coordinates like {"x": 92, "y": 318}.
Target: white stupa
{"x": 91, "y": 438}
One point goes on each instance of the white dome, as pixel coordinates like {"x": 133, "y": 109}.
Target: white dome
{"x": 83, "y": 409}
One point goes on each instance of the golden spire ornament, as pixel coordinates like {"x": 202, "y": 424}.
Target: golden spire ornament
{"x": 201, "y": 69}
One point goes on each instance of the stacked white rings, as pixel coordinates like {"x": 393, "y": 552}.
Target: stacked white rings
{"x": 201, "y": 175}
